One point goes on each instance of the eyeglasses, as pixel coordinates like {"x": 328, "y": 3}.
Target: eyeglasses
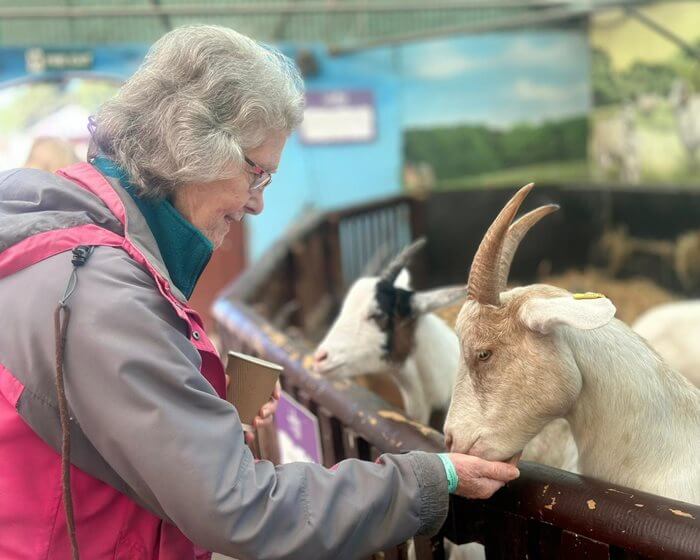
{"x": 262, "y": 177}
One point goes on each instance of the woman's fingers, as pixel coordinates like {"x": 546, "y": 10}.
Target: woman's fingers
{"x": 277, "y": 392}
{"x": 480, "y": 479}
{"x": 267, "y": 410}
{"x": 496, "y": 470}
{"x": 260, "y": 422}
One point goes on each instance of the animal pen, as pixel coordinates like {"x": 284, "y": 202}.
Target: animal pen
{"x": 278, "y": 310}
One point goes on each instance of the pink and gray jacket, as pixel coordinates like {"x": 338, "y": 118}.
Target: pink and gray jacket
{"x": 158, "y": 459}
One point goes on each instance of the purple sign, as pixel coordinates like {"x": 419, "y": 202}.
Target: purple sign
{"x": 297, "y": 432}
{"x": 338, "y": 116}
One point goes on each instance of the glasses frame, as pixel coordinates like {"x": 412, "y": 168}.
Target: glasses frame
{"x": 262, "y": 178}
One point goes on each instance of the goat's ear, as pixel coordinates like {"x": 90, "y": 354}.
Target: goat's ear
{"x": 403, "y": 280}
{"x": 544, "y": 314}
{"x": 425, "y": 302}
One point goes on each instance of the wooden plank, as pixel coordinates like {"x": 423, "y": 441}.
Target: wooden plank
{"x": 423, "y": 547}
{"x": 506, "y": 537}
{"x": 578, "y": 547}
{"x": 418, "y": 228}
{"x": 543, "y": 541}
{"x": 403, "y": 549}
{"x": 332, "y": 259}
{"x": 331, "y": 437}
{"x": 309, "y": 275}
{"x": 350, "y": 444}
{"x": 466, "y": 521}
{"x": 363, "y": 449}
{"x": 438, "y": 545}
{"x": 616, "y": 553}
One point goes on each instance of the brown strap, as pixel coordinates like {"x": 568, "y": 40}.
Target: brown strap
{"x": 60, "y": 330}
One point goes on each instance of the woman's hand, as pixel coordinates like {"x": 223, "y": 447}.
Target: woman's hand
{"x": 479, "y": 478}
{"x": 265, "y": 414}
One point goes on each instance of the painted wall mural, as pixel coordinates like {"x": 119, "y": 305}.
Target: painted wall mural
{"x": 495, "y": 109}
{"x": 47, "y": 95}
{"x": 645, "y": 122}
{"x": 43, "y": 122}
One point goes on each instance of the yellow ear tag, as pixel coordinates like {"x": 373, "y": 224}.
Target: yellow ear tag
{"x": 589, "y": 295}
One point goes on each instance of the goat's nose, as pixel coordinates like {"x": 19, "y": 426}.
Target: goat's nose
{"x": 320, "y": 355}
{"x": 448, "y": 441}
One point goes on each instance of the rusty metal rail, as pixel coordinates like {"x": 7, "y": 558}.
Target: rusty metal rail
{"x": 545, "y": 514}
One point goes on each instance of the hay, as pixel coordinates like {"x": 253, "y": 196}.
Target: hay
{"x": 631, "y": 296}
{"x": 449, "y": 314}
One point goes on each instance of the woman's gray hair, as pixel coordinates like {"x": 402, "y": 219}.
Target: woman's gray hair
{"x": 202, "y": 97}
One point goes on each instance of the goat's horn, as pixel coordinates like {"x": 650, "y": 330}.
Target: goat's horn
{"x": 482, "y": 285}
{"x": 515, "y": 235}
{"x": 374, "y": 264}
{"x": 391, "y": 272}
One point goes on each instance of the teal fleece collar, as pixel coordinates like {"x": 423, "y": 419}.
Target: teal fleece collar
{"x": 185, "y": 249}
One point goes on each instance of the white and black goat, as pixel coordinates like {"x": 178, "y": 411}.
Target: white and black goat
{"x": 384, "y": 327}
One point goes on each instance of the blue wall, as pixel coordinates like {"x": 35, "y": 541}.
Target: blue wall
{"x": 328, "y": 176}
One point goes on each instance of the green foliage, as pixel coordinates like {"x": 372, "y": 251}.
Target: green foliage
{"x": 648, "y": 78}
{"x": 471, "y": 150}
{"x": 574, "y": 171}
{"x": 606, "y": 84}
{"x": 452, "y": 150}
{"x": 611, "y": 87}
{"x": 687, "y": 67}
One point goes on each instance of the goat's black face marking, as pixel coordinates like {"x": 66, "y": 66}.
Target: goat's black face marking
{"x": 394, "y": 316}
{"x": 393, "y": 301}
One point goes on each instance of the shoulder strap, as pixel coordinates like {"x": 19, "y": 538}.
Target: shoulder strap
{"x": 41, "y": 246}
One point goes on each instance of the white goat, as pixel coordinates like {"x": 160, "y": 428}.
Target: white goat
{"x": 387, "y": 328}
{"x": 614, "y": 146}
{"x": 535, "y": 353}
{"x": 686, "y": 107}
{"x": 673, "y": 330}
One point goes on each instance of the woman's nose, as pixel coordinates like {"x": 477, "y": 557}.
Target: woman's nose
{"x": 256, "y": 202}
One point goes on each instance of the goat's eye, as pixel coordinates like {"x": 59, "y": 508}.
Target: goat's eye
{"x": 380, "y": 318}
{"x": 483, "y": 355}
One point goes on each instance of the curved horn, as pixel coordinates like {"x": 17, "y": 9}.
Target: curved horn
{"x": 482, "y": 285}
{"x": 391, "y": 272}
{"x": 515, "y": 235}
{"x": 374, "y": 264}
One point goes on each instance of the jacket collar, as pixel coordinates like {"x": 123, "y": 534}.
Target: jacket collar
{"x": 177, "y": 249}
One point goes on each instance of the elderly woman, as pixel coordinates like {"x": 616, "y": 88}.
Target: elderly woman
{"x": 114, "y": 436}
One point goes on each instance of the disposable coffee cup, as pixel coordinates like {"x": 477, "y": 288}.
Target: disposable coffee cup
{"x": 251, "y": 384}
